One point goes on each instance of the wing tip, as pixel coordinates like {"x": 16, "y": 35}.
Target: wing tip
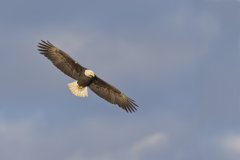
{"x": 45, "y": 46}
{"x": 130, "y": 106}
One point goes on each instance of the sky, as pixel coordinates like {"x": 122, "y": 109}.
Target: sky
{"x": 178, "y": 59}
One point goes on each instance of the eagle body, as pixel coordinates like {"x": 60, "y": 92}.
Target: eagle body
{"x": 79, "y": 87}
{"x": 85, "y": 78}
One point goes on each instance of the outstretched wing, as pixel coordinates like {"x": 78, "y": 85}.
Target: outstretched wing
{"x": 61, "y": 59}
{"x": 112, "y": 95}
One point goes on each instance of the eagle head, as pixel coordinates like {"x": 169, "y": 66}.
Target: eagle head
{"x": 89, "y": 73}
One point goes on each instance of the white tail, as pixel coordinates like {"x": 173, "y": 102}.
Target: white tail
{"x": 78, "y": 90}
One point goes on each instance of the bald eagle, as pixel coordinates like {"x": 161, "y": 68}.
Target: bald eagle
{"x": 85, "y": 78}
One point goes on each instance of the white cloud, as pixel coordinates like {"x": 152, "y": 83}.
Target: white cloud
{"x": 152, "y": 142}
{"x": 231, "y": 144}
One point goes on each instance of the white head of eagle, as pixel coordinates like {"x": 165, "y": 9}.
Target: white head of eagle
{"x": 89, "y": 73}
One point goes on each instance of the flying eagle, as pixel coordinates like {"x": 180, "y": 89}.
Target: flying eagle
{"x": 85, "y": 78}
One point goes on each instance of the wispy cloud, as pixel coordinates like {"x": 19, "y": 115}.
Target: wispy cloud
{"x": 149, "y": 143}
{"x": 231, "y": 144}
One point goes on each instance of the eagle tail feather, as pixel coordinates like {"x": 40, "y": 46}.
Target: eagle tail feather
{"x": 78, "y": 90}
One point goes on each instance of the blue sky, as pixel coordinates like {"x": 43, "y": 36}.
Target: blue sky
{"x": 179, "y": 60}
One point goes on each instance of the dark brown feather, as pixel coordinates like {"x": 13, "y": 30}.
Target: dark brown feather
{"x": 112, "y": 95}
{"x": 61, "y": 60}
